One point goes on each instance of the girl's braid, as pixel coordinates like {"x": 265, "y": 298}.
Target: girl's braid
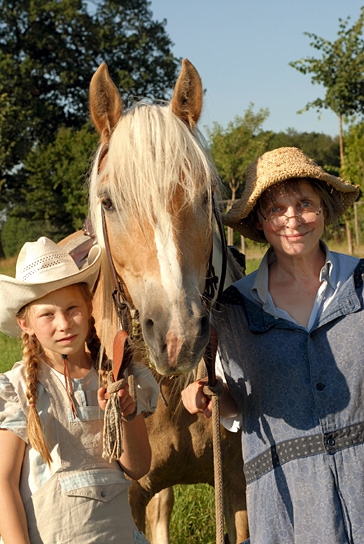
{"x": 31, "y": 352}
{"x": 98, "y": 355}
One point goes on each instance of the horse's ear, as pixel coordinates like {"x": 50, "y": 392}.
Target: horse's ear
{"x": 105, "y": 103}
{"x": 187, "y": 95}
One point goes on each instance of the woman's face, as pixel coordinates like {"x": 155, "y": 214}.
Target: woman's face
{"x": 291, "y": 218}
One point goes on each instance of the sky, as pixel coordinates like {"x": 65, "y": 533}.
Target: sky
{"x": 241, "y": 49}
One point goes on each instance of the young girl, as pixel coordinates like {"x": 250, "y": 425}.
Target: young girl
{"x": 55, "y": 486}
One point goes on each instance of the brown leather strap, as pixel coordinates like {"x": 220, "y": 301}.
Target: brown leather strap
{"x": 122, "y": 354}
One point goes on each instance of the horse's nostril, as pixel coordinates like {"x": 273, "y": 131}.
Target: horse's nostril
{"x": 148, "y": 325}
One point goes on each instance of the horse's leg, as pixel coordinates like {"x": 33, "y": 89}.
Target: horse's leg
{"x": 138, "y": 500}
{"x": 159, "y": 511}
{"x": 235, "y": 514}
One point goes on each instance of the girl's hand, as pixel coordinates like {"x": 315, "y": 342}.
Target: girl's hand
{"x": 195, "y": 400}
{"x": 101, "y": 398}
{"x": 127, "y": 404}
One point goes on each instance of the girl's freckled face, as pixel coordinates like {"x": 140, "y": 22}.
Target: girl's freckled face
{"x": 60, "y": 321}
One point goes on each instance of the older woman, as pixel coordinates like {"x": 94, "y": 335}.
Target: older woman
{"x": 291, "y": 347}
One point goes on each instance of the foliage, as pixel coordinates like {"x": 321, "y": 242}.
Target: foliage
{"x": 136, "y": 49}
{"x": 6, "y": 147}
{"x": 235, "y": 147}
{"x": 18, "y": 230}
{"x": 10, "y": 351}
{"x": 57, "y": 179}
{"x": 48, "y": 53}
{"x": 340, "y": 70}
{"x": 322, "y": 148}
{"x": 353, "y": 168}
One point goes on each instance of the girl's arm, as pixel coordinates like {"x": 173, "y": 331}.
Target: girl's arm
{"x": 13, "y": 522}
{"x": 195, "y": 400}
{"x": 136, "y": 457}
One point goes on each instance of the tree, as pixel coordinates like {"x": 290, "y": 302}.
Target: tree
{"x": 321, "y": 147}
{"x": 56, "y": 188}
{"x": 340, "y": 71}
{"x": 235, "y": 147}
{"x": 353, "y": 169}
{"x": 54, "y": 199}
{"x": 45, "y": 62}
{"x": 136, "y": 49}
{"x": 48, "y": 53}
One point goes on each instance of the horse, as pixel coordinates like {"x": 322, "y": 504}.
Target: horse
{"x": 154, "y": 200}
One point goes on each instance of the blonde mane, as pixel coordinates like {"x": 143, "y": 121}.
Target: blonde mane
{"x": 151, "y": 155}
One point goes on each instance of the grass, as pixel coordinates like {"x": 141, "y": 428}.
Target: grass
{"x": 193, "y": 517}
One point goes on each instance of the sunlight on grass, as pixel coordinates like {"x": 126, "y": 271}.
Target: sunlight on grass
{"x": 193, "y": 517}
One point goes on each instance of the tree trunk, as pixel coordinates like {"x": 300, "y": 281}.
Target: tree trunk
{"x": 341, "y": 140}
{"x": 349, "y": 237}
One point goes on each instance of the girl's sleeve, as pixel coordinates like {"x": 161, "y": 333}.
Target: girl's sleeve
{"x": 146, "y": 389}
{"x": 12, "y": 416}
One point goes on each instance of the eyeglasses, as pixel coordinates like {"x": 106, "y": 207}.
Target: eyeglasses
{"x": 279, "y": 220}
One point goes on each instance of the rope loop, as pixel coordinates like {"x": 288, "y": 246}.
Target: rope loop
{"x": 113, "y": 431}
{"x": 214, "y": 390}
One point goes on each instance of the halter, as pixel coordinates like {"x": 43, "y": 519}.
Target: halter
{"x": 129, "y": 316}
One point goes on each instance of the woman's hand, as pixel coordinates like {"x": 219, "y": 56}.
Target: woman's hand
{"x": 195, "y": 400}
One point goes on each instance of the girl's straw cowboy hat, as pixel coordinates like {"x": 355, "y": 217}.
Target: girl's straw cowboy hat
{"x": 42, "y": 267}
{"x": 274, "y": 167}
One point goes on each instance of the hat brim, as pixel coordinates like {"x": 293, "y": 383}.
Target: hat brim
{"x": 19, "y": 293}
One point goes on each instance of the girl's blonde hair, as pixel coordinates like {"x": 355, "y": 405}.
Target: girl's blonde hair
{"x": 32, "y": 356}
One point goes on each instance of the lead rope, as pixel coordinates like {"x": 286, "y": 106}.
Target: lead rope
{"x": 113, "y": 419}
{"x": 214, "y": 387}
{"x": 214, "y": 390}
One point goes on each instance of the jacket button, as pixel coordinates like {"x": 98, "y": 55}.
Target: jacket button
{"x": 320, "y": 386}
{"x": 103, "y": 493}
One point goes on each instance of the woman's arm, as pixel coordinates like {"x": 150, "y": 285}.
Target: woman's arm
{"x": 13, "y": 522}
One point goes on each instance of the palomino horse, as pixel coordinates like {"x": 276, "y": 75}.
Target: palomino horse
{"x": 153, "y": 192}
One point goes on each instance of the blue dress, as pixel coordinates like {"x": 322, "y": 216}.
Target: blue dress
{"x": 300, "y": 396}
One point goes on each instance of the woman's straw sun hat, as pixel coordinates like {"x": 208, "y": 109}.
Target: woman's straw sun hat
{"x": 274, "y": 167}
{"x": 41, "y": 267}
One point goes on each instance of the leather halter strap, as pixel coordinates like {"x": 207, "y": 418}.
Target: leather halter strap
{"x": 124, "y": 310}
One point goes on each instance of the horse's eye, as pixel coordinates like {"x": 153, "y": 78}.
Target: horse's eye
{"x": 107, "y": 203}
{"x": 205, "y": 198}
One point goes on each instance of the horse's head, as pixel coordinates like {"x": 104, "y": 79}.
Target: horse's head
{"x": 153, "y": 182}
